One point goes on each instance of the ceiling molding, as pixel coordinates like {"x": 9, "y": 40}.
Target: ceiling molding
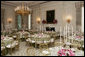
{"x": 79, "y": 4}
{"x": 8, "y": 4}
{"x": 30, "y": 4}
{"x": 40, "y": 3}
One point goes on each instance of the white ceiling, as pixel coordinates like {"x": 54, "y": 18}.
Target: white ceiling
{"x": 29, "y": 3}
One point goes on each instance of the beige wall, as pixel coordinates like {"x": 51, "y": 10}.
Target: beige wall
{"x": 62, "y": 9}
{"x": 9, "y": 13}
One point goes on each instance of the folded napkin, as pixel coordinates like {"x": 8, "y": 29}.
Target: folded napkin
{"x": 45, "y": 52}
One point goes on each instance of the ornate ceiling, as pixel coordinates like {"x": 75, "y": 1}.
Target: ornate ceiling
{"x": 16, "y": 3}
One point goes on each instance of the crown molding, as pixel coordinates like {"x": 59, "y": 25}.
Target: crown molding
{"x": 40, "y": 3}
{"x": 79, "y": 4}
{"x": 8, "y": 4}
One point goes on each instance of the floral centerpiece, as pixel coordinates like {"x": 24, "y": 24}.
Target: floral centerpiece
{"x": 44, "y": 21}
{"x": 79, "y": 37}
{"x": 40, "y": 35}
{"x": 54, "y": 21}
{"x": 6, "y": 40}
{"x": 65, "y": 52}
{"x": 2, "y": 37}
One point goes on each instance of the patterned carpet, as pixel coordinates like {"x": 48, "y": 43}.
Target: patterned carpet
{"x": 26, "y": 50}
{"x": 21, "y": 51}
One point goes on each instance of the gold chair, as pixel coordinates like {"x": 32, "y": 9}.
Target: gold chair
{"x": 52, "y": 41}
{"x": 36, "y": 43}
{"x": 10, "y": 47}
{"x": 3, "y": 49}
{"x": 43, "y": 49}
{"x": 17, "y": 45}
{"x": 43, "y": 46}
{"x": 27, "y": 42}
{"x": 31, "y": 51}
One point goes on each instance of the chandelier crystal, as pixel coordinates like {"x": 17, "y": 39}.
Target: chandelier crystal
{"x": 22, "y": 9}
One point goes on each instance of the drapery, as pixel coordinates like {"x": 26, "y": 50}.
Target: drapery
{"x": 19, "y": 21}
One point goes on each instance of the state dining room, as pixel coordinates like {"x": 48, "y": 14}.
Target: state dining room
{"x": 42, "y": 28}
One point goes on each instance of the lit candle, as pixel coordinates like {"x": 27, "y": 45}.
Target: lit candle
{"x": 60, "y": 37}
{"x": 60, "y": 34}
{"x": 72, "y": 34}
{"x": 68, "y": 19}
{"x": 66, "y": 32}
{"x": 40, "y": 28}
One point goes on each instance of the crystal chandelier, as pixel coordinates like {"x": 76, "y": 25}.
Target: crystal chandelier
{"x": 22, "y": 9}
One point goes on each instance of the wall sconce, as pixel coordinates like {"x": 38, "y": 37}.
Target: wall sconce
{"x": 38, "y": 20}
{"x": 9, "y": 20}
{"x": 68, "y": 19}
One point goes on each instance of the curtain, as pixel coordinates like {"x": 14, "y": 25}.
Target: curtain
{"x": 19, "y": 21}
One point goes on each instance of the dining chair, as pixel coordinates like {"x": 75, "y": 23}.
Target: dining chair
{"x": 30, "y": 51}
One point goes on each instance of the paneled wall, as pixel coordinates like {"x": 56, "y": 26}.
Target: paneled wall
{"x": 79, "y": 6}
{"x": 2, "y": 19}
{"x": 62, "y": 10}
{"x": 8, "y": 14}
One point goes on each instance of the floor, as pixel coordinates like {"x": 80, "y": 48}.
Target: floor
{"x": 26, "y": 50}
{"x": 23, "y": 50}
